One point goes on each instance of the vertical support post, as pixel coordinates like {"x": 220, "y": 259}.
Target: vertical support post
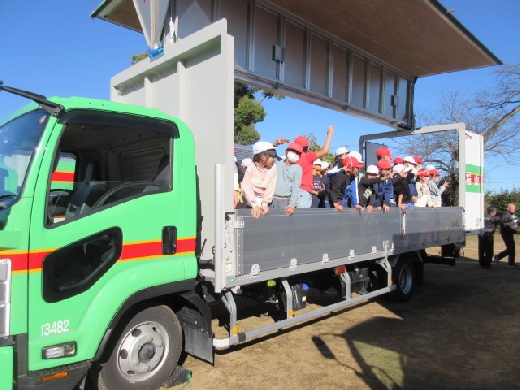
{"x": 229, "y": 302}
{"x": 348, "y": 285}
{"x": 289, "y": 297}
{"x": 220, "y": 272}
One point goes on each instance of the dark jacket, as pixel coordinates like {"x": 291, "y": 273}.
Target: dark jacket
{"x": 338, "y": 184}
{"x": 401, "y": 188}
{"x": 508, "y": 223}
{"x": 490, "y": 224}
{"x": 385, "y": 192}
{"x": 367, "y": 189}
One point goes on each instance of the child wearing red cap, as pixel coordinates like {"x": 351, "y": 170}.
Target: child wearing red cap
{"x": 306, "y": 162}
{"x": 340, "y": 181}
{"x": 436, "y": 190}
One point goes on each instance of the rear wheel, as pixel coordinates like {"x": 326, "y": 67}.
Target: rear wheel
{"x": 146, "y": 351}
{"x": 403, "y": 276}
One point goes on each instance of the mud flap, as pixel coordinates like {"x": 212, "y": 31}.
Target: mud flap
{"x": 196, "y": 325}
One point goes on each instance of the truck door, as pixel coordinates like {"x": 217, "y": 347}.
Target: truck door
{"x": 116, "y": 231}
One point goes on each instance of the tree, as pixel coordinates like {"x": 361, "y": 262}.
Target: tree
{"x": 491, "y": 113}
{"x": 500, "y": 201}
{"x": 138, "y": 57}
{"x": 249, "y": 111}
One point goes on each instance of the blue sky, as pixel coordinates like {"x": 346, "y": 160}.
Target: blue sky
{"x": 52, "y": 47}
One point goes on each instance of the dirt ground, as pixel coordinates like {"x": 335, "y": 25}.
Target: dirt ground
{"x": 460, "y": 330}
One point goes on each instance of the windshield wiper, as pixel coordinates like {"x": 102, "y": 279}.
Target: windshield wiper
{"x": 52, "y": 108}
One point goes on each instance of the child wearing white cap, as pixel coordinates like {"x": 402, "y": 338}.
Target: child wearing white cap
{"x": 259, "y": 180}
{"x": 367, "y": 188}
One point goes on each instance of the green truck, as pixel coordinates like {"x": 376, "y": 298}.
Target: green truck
{"x": 118, "y": 237}
{"x": 106, "y": 274}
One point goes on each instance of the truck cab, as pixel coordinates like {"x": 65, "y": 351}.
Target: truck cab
{"x": 73, "y": 251}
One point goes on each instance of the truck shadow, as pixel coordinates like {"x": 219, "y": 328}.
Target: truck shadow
{"x": 456, "y": 332}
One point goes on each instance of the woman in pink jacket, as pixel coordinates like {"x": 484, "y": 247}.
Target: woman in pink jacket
{"x": 259, "y": 180}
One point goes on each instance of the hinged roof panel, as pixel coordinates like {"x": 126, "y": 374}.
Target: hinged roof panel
{"x": 418, "y": 37}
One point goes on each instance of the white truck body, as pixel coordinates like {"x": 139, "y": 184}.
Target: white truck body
{"x": 194, "y": 81}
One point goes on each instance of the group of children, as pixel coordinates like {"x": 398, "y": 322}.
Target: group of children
{"x": 301, "y": 180}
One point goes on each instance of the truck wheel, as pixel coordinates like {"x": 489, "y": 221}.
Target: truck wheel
{"x": 145, "y": 353}
{"x": 403, "y": 276}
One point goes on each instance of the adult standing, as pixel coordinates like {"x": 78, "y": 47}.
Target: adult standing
{"x": 508, "y": 224}
{"x": 486, "y": 240}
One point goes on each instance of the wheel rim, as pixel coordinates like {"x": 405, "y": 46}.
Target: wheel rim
{"x": 405, "y": 279}
{"x": 143, "y": 351}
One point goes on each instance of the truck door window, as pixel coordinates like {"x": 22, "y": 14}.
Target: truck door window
{"x": 75, "y": 268}
{"x": 118, "y": 158}
{"x": 62, "y": 185}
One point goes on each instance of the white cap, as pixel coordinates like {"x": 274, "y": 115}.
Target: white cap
{"x": 398, "y": 168}
{"x": 316, "y": 162}
{"x": 410, "y": 160}
{"x": 372, "y": 169}
{"x": 429, "y": 167}
{"x": 235, "y": 157}
{"x": 357, "y": 155}
{"x": 262, "y": 146}
{"x": 246, "y": 161}
{"x": 341, "y": 150}
{"x": 324, "y": 165}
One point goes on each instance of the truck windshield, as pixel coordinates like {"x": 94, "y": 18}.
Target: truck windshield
{"x": 18, "y": 141}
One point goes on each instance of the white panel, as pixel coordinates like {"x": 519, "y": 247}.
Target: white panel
{"x": 193, "y": 15}
{"x": 294, "y": 55}
{"x": 472, "y": 167}
{"x": 358, "y": 81}
{"x": 374, "y": 89}
{"x": 319, "y": 65}
{"x": 339, "y": 73}
{"x": 235, "y": 12}
{"x": 194, "y": 81}
{"x": 266, "y": 35}
{"x": 389, "y": 82}
{"x": 402, "y": 108}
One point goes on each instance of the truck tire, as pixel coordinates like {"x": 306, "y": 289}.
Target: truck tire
{"x": 403, "y": 276}
{"x": 145, "y": 351}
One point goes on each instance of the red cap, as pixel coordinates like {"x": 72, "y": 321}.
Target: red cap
{"x": 418, "y": 160}
{"x": 383, "y": 152}
{"x": 303, "y": 141}
{"x": 423, "y": 173}
{"x": 296, "y": 147}
{"x": 351, "y": 162}
{"x": 384, "y": 164}
{"x": 434, "y": 172}
{"x": 398, "y": 160}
